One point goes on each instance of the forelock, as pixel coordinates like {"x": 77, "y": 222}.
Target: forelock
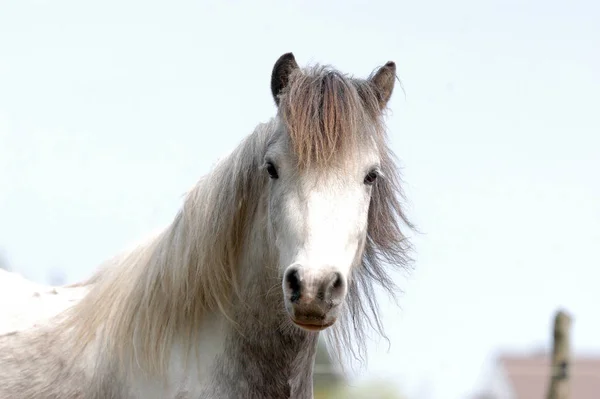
{"x": 328, "y": 114}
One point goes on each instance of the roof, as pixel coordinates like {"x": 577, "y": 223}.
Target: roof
{"x": 529, "y": 376}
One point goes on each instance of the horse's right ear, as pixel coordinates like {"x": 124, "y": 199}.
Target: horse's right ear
{"x": 280, "y": 76}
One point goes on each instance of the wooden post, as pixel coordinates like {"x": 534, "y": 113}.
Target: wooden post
{"x": 561, "y": 356}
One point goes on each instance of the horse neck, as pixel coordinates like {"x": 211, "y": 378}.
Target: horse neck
{"x": 264, "y": 348}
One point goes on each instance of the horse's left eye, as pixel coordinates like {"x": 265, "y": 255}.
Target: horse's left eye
{"x": 371, "y": 177}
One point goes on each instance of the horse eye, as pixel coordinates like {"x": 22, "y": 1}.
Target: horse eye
{"x": 371, "y": 177}
{"x": 271, "y": 170}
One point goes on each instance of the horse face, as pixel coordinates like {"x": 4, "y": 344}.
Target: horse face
{"x": 317, "y": 218}
{"x": 318, "y": 214}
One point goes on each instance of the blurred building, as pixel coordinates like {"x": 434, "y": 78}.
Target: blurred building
{"x": 528, "y": 377}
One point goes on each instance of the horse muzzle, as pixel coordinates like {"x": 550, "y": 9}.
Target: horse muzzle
{"x": 313, "y": 298}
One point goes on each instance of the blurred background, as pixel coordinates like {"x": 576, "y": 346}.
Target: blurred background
{"x": 110, "y": 111}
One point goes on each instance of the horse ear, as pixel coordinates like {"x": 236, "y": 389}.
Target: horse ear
{"x": 383, "y": 81}
{"x": 280, "y": 76}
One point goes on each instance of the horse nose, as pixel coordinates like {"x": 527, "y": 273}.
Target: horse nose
{"x": 322, "y": 289}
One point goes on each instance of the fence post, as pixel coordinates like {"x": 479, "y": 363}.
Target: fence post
{"x": 561, "y": 357}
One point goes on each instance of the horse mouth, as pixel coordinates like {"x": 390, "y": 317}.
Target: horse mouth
{"x": 313, "y": 327}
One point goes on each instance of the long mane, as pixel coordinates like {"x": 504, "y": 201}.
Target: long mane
{"x": 163, "y": 288}
{"x": 141, "y": 301}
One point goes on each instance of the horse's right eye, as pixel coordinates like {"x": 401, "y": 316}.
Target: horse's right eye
{"x": 271, "y": 170}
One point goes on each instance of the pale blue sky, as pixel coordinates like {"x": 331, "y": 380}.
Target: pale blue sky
{"x": 110, "y": 111}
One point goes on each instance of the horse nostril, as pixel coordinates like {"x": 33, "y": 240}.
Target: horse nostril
{"x": 338, "y": 281}
{"x": 292, "y": 278}
{"x": 336, "y": 286}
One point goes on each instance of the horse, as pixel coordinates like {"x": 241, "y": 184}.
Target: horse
{"x": 286, "y": 237}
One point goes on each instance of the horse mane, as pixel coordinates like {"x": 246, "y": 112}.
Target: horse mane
{"x": 164, "y": 287}
{"x": 326, "y": 112}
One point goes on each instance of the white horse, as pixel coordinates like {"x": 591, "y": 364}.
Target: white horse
{"x": 285, "y": 237}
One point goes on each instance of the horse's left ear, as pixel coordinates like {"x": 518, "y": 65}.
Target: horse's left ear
{"x": 384, "y": 80}
{"x": 280, "y": 76}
